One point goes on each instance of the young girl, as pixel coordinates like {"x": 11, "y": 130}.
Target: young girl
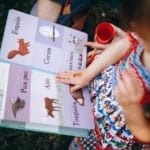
{"x": 120, "y": 93}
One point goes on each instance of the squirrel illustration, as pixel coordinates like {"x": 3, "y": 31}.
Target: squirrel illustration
{"x": 17, "y": 105}
{"x": 22, "y": 49}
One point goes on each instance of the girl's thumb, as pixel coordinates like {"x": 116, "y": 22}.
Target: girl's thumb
{"x": 75, "y": 88}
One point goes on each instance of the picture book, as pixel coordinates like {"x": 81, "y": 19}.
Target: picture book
{"x": 33, "y": 51}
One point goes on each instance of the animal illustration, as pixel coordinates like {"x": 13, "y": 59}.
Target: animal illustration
{"x": 17, "y": 105}
{"x": 49, "y": 31}
{"x": 78, "y": 96}
{"x": 22, "y": 49}
{"x": 51, "y": 106}
{"x": 77, "y": 42}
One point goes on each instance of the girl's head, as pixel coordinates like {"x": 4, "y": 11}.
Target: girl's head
{"x": 135, "y": 17}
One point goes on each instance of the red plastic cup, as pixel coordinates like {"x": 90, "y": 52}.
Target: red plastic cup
{"x": 104, "y": 33}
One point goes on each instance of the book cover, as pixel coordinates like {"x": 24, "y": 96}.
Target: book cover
{"x": 33, "y": 51}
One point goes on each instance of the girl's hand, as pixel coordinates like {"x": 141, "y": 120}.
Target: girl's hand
{"x": 129, "y": 90}
{"x": 77, "y": 79}
{"x": 119, "y": 34}
{"x": 98, "y": 48}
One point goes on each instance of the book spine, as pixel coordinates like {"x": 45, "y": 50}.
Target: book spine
{"x": 4, "y": 73}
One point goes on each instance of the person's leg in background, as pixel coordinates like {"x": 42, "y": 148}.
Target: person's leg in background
{"x": 46, "y": 9}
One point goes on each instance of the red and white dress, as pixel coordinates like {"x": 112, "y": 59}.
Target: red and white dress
{"x": 111, "y": 132}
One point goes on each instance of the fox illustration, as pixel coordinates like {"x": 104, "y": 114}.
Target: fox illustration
{"x": 51, "y": 106}
{"x": 22, "y": 49}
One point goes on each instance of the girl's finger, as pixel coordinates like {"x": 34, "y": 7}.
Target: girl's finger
{"x": 63, "y": 75}
{"x": 96, "y": 45}
{"x": 75, "y": 88}
{"x": 91, "y": 53}
{"x": 119, "y": 31}
{"x": 122, "y": 89}
{"x": 120, "y": 93}
{"x": 135, "y": 90}
{"x": 131, "y": 80}
{"x": 98, "y": 52}
{"x": 68, "y": 74}
{"x": 65, "y": 80}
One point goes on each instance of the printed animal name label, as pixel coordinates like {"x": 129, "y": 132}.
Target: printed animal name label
{"x": 47, "y": 83}
{"x": 47, "y": 56}
{"x": 24, "y": 88}
{"x": 16, "y": 26}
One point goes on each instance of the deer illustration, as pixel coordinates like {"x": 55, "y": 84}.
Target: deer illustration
{"x": 50, "y": 105}
{"x": 22, "y": 49}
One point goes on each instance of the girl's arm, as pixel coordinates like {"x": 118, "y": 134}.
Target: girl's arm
{"x": 99, "y": 48}
{"x": 110, "y": 56}
{"x": 48, "y": 10}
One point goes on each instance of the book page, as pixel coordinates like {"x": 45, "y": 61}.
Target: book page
{"x": 18, "y": 94}
{"x": 37, "y": 51}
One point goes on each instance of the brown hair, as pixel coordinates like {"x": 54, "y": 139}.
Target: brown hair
{"x": 135, "y": 14}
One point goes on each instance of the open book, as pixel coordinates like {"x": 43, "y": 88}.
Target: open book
{"x": 33, "y": 51}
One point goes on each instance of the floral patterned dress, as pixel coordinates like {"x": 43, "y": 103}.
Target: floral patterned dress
{"x": 111, "y": 132}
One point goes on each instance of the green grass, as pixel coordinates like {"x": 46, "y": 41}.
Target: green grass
{"x": 24, "y": 140}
